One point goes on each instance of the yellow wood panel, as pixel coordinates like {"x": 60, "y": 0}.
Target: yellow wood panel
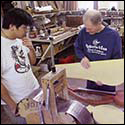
{"x": 110, "y": 72}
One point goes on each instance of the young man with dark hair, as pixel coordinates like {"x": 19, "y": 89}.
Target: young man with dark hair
{"x": 97, "y": 42}
{"x": 17, "y": 55}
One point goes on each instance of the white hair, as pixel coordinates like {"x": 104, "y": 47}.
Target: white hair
{"x": 94, "y": 16}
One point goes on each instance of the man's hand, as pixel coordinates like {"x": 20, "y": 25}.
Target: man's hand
{"x": 13, "y": 108}
{"x": 27, "y": 42}
{"x": 85, "y": 63}
{"x": 9, "y": 101}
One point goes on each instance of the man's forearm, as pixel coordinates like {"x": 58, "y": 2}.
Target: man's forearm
{"x": 32, "y": 55}
{"x": 6, "y": 97}
{"x": 79, "y": 53}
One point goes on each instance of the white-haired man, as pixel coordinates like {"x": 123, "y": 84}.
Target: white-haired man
{"x": 97, "y": 42}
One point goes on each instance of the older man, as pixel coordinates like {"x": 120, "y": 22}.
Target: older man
{"x": 97, "y": 42}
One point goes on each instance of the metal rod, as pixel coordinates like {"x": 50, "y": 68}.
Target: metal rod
{"x": 47, "y": 102}
{"x": 52, "y": 52}
{"x": 53, "y": 68}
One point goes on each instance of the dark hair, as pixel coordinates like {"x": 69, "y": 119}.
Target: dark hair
{"x": 6, "y": 5}
{"x": 17, "y": 17}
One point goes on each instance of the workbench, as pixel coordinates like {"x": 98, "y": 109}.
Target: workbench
{"x": 62, "y": 104}
{"x": 61, "y": 42}
{"x": 77, "y": 79}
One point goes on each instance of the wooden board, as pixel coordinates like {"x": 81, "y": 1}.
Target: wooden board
{"x": 110, "y": 72}
{"x": 107, "y": 114}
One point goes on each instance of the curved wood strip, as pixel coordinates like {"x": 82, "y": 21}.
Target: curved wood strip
{"x": 110, "y": 72}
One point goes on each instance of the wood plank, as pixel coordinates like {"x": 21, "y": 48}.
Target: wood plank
{"x": 110, "y": 72}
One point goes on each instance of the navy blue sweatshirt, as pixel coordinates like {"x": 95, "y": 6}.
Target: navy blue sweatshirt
{"x": 100, "y": 46}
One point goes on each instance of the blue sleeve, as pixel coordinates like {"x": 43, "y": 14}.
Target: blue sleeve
{"x": 79, "y": 47}
{"x": 117, "y": 50}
